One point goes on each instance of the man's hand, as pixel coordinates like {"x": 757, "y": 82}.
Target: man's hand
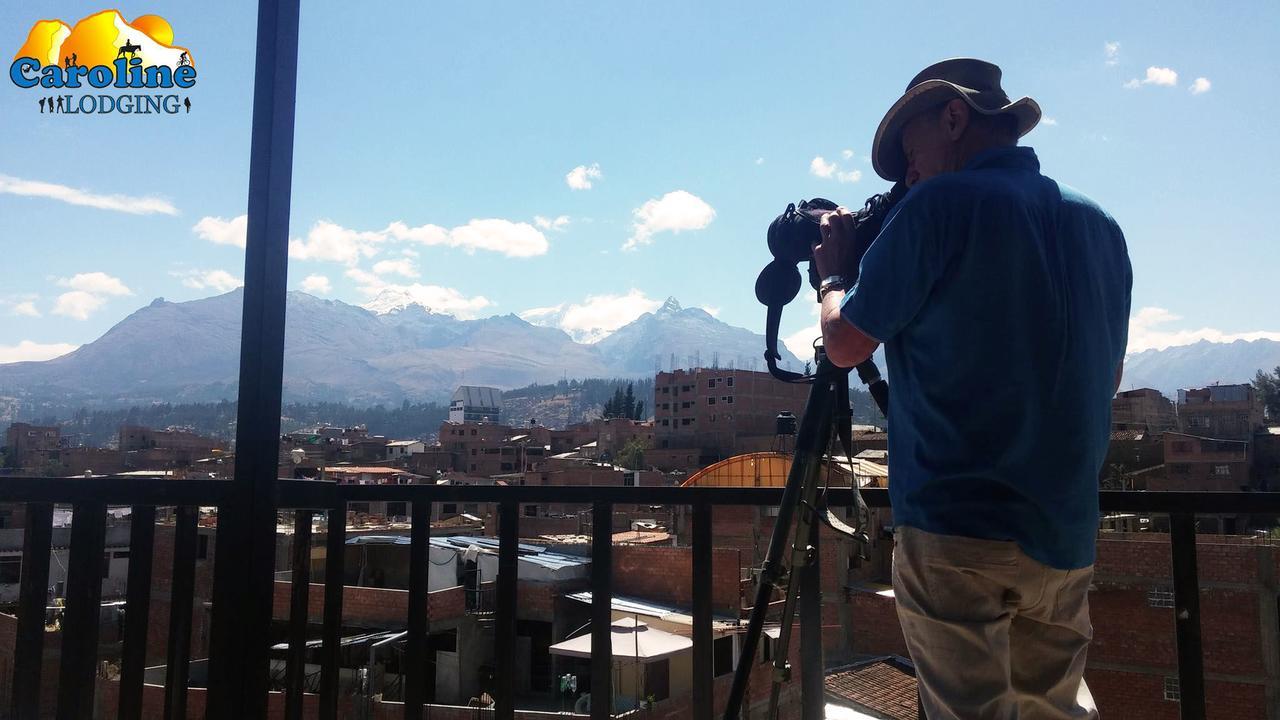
{"x": 836, "y": 254}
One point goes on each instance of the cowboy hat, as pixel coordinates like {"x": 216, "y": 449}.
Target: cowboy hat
{"x": 977, "y": 82}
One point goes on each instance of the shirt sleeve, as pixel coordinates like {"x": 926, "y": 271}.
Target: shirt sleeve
{"x": 900, "y": 268}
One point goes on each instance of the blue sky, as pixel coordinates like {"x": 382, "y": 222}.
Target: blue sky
{"x": 445, "y": 151}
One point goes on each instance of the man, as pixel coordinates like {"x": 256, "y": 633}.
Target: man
{"x": 1002, "y": 299}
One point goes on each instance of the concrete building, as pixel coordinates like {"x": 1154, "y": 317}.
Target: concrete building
{"x": 472, "y": 403}
{"x": 1201, "y": 463}
{"x": 32, "y": 447}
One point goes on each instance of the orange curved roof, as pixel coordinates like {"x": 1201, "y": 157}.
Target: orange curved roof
{"x": 769, "y": 469}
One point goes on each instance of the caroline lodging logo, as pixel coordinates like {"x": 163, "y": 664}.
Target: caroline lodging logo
{"x": 135, "y": 63}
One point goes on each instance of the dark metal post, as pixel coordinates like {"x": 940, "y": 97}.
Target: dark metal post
{"x": 299, "y": 610}
{"x": 330, "y": 652}
{"x": 1186, "y": 601}
{"x": 812, "y": 693}
{"x": 181, "y": 603}
{"x": 601, "y": 610}
{"x": 505, "y": 629}
{"x": 33, "y": 597}
{"x": 78, "y": 673}
{"x": 703, "y": 656}
{"x": 137, "y": 609}
{"x": 246, "y": 531}
{"x": 415, "y": 677}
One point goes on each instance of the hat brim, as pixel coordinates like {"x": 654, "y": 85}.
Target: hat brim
{"x": 886, "y": 150}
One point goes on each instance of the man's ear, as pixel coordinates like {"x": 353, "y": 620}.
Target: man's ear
{"x": 955, "y": 119}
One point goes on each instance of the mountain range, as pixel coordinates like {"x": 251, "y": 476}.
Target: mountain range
{"x": 386, "y": 352}
{"x": 393, "y": 350}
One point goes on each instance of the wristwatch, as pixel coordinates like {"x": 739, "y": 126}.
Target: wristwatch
{"x": 832, "y": 282}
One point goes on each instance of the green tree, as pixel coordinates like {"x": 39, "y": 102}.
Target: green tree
{"x": 1267, "y": 385}
{"x": 629, "y": 403}
{"x": 631, "y": 456}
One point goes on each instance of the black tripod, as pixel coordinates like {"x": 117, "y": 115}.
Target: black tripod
{"x": 826, "y": 412}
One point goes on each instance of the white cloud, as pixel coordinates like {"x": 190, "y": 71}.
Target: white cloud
{"x": 26, "y": 350}
{"x": 1165, "y": 77}
{"x": 580, "y": 177}
{"x": 1201, "y": 85}
{"x": 77, "y": 304}
{"x": 509, "y": 238}
{"x": 53, "y": 191}
{"x": 674, "y": 212}
{"x": 1146, "y": 332}
{"x": 557, "y": 223}
{"x": 330, "y": 242}
{"x": 1050, "y": 121}
{"x": 219, "y": 280}
{"x": 98, "y": 283}
{"x": 759, "y": 161}
{"x": 596, "y": 317}
{"x": 89, "y": 291}
{"x": 712, "y": 310}
{"x": 317, "y": 285}
{"x": 221, "y": 231}
{"x": 820, "y": 167}
{"x": 25, "y": 308}
{"x": 846, "y": 154}
{"x": 403, "y": 267}
{"x": 1111, "y": 51}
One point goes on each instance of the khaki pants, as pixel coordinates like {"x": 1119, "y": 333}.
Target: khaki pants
{"x": 993, "y": 634}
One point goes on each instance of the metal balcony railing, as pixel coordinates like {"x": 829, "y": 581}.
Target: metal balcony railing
{"x": 77, "y": 674}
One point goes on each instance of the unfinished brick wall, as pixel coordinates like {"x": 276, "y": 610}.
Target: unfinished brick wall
{"x": 664, "y": 574}
{"x": 375, "y": 606}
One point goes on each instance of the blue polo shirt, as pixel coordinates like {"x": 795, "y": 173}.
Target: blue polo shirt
{"x": 1002, "y": 300}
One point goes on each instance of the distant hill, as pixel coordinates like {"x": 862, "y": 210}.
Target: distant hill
{"x": 171, "y": 352}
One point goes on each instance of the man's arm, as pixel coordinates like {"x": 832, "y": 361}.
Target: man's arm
{"x": 845, "y": 344}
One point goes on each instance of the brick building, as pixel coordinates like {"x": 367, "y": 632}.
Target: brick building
{"x": 705, "y": 415}
{"x": 1229, "y": 412}
{"x": 32, "y": 447}
{"x": 1143, "y": 409}
{"x": 1203, "y": 463}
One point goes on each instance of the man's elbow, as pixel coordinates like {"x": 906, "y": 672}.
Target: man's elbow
{"x": 846, "y": 345}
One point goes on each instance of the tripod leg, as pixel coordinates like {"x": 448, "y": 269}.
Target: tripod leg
{"x": 811, "y": 443}
{"x": 812, "y": 679}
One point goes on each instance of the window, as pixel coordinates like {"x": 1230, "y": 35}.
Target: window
{"x": 359, "y": 507}
{"x": 473, "y": 432}
{"x": 531, "y": 511}
{"x": 711, "y": 401}
{"x": 686, "y": 405}
{"x": 1160, "y": 596}
{"x": 729, "y": 381}
{"x": 666, "y": 422}
{"x": 685, "y": 421}
{"x": 449, "y": 509}
{"x": 629, "y": 478}
{"x": 1171, "y": 689}
{"x": 729, "y": 399}
{"x": 666, "y": 390}
{"x": 711, "y": 383}
{"x": 1221, "y": 470}
{"x": 10, "y": 570}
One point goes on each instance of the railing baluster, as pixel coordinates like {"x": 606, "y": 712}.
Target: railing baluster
{"x": 137, "y": 617}
{"x": 601, "y": 610}
{"x": 299, "y": 584}
{"x": 33, "y": 598}
{"x": 78, "y": 674}
{"x": 505, "y": 628}
{"x": 330, "y": 651}
{"x": 415, "y": 677}
{"x": 703, "y": 658}
{"x": 1186, "y": 602}
{"x": 181, "y": 603}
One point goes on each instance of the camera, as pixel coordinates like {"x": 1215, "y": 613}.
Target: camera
{"x": 791, "y": 238}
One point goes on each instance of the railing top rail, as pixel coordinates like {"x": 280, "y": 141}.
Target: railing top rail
{"x": 134, "y": 490}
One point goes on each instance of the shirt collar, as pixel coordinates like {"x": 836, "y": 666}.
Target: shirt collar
{"x": 1008, "y": 158}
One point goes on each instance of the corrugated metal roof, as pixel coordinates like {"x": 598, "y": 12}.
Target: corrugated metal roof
{"x": 636, "y": 606}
